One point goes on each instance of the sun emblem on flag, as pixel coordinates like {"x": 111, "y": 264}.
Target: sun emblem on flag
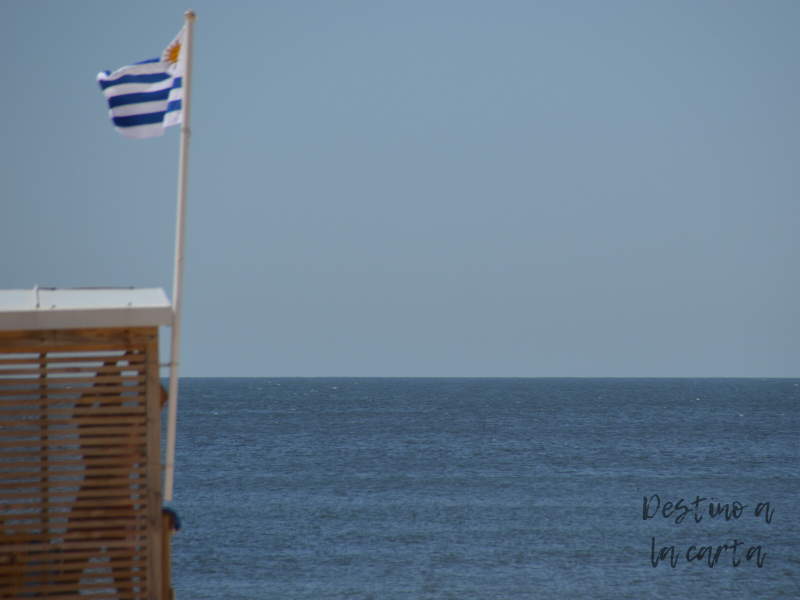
{"x": 171, "y": 54}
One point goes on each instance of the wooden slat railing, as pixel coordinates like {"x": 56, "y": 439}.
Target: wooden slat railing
{"x": 80, "y": 472}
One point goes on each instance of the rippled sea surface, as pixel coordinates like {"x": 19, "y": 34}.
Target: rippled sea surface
{"x": 410, "y": 488}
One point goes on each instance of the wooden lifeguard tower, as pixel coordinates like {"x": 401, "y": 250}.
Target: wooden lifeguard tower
{"x": 80, "y": 444}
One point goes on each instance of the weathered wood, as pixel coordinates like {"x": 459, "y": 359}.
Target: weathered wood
{"x": 58, "y": 423}
{"x": 85, "y": 480}
{"x": 133, "y": 546}
{"x": 136, "y": 410}
{"x": 74, "y": 391}
{"x": 65, "y": 467}
{"x": 27, "y": 453}
{"x": 124, "y": 455}
{"x": 87, "y": 405}
{"x": 57, "y": 589}
{"x": 94, "y": 537}
{"x": 127, "y": 355}
{"x": 100, "y": 596}
{"x": 67, "y": 572}
{"x": 60, "y": 583}
{"x": 77, "y": 561}
{"x": 69, "y": 503}
{"x": 89, "y": 380}
{"x": 76, "y": 475}
{"x": 86, "y": 441}
{"x": 78, "y": 340}
{"x": 84, "y": 431}
{"x": 80, "y": 467}
{"x": 21, "y": 374}
{"x": 132, "y": 493}
{"x": 167, "y": 526}
{"x": 85, "y": 523}
{"x": 84, "y": 515}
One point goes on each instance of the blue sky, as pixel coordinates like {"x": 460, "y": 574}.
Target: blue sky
{"x": 427, "y": 188}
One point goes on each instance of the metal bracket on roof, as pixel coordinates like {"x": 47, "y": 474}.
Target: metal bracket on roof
{"x": 36, "y": 294}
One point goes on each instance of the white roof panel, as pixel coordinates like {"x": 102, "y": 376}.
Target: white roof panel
{"x": 42, "y": 308}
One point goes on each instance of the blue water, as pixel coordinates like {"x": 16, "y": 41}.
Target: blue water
{"x": 408, "y": 488}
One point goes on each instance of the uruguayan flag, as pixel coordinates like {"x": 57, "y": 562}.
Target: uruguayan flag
{"x": 146, "y": 97}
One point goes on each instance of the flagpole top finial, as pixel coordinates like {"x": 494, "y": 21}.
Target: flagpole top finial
{"x": 190, "y": 14}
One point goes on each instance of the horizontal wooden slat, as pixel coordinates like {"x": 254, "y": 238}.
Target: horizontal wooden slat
{"x": 89, "y": 483}
{"x": 72, "y": 426}
{"x": 67, "y": 370}
{"x": 54, "y": 589}
{"x": 43, "y": 354}
{"x": 66, "y": 350}
{"x": 130, "y": 532}
{"x": 105, "y": 594}
{"x": 97, "y": 539}
{"x": 96, "y": 351}
{"x": 85, "y": 373}
{"x": 58, "y": 423}
{"x": 87, "y": 426}
{"x": 102, "y": 596}
{"x": 77, "y": 562}
{"x": 28, "y": 453}
{"x": 126, "y": 553}
{"x": 131, "y": 356}
{"x": 69, "y": 435}
{"x": 110, "y": 482}
{"x": 87, "y": 406}
{"x": 102, "y": 488}
{"x": 119, "y": 572}
{"x": 13, "y": 493}
{"x": 51, "y": 588}
{"x": 79, "y": 509}
{"x": 89, "y": 512}
{"x": 12, "y": 490}
{"x": 56, "y": 504}
{"x": 71, "y": 411}
{"x": 78, "y": 524}
{"x": 137, "y": 545}
{"x": 104, "y": 384}
{"x": 77, "y": 401}
{"x": 89, "y": 380}
{"x": 85, "y": 415}
{"x": 79, "y": 469}
{"x": 86, "y": 440}
{"x": 11, "y": 396}
{"x": 58, "y": 409}
{"x": 89, "y": 476}
{"x": 121, "y": 459}
{"x": 69, "y": 488}
{"x": 106, "y": 482}
{"x": 59, "y": 505}
{"x": 73, "y": 520}
{"x": 80, "y": 338}
{"x": 64, "y": 467}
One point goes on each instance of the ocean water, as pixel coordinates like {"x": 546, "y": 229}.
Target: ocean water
{"x": 384, "y": 488}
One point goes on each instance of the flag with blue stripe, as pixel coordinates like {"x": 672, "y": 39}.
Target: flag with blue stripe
{"x": 145, "y": 98}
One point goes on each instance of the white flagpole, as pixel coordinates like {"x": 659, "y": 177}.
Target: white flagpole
{"x": 183, "y": 168}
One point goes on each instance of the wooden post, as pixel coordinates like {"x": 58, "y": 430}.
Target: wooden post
{"x": 155, "y": 531}
{"x": 167, "y": 527}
